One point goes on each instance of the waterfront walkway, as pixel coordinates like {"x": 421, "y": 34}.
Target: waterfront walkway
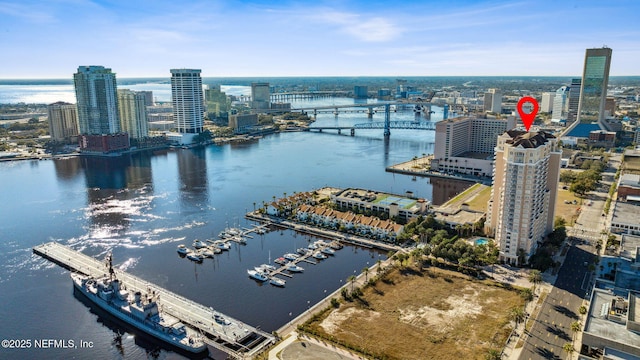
{"x": 235, "y": 338}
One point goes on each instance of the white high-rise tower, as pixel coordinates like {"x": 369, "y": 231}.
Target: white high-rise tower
{"x": 525, "y": 185}
{"x": 96, "y": 100}
{"x": 187, "y": 99}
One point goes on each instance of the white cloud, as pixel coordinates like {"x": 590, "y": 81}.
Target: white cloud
{"x": 360, "y": 27}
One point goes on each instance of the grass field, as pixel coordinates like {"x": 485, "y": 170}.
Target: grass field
{"x": 481, "y": 201}
{"x": 567, "y": 211}
{"x": 428, "y": 314}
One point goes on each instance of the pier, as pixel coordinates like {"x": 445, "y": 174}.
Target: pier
{"x": 238, "y": 340}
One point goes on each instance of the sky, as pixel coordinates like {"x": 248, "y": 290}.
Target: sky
{"x": 225, "y": 38}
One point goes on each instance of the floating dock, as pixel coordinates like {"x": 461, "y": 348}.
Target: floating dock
{"x": 238, "y": 340}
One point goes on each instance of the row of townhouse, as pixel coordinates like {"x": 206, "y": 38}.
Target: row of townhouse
{"x": 361, "y": 224}
{"x": 283, "y": 207}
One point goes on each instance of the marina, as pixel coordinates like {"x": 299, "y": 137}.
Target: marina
{"x": 219, "y": 331}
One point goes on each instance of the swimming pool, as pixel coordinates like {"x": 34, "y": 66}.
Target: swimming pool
{"x": 481, "y": 241}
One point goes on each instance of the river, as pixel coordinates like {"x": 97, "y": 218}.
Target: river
{"x": 142, "y": 206}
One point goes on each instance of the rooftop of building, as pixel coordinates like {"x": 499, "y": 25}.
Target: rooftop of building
{"x": 379, "y": 198}
{"x": 583, "y": 130}
{"x": 629, "y": 245}
{"x": 625, "y": 213}
{"x": 630, "y": 180}
{"x": 527, "y": 139}
{"x": 597, "y": 323}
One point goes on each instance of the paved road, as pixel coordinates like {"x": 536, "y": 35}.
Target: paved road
{"x": 552, "y": 328}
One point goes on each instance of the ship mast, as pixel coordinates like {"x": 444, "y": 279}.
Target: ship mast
{"x": 110, "y": 265}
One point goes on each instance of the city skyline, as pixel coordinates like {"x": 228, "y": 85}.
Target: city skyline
{"x": 287, "y": 38}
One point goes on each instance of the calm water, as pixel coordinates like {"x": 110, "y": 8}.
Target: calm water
{"x": 142, "y": 206}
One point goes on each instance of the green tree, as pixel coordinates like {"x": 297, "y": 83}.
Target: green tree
{"x": 516, "y": 314}
{"x": 352, "y": 280}
{"x": 576, "y": 326}
{"x": 568, "y": 347}
{"x": 492, "y": 354}
{"x": 535, "y": 277}
{"x": 365, "y": 271}
{"x": 582, "y": 310}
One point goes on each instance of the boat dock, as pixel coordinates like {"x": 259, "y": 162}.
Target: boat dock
{"x": 238, "y": 340}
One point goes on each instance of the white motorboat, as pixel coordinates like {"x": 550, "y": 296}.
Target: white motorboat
{"x": 207, "y": 252}
{"x": 328, "y": 251}
{"x": 290, "y": 256}
{"x": 302, "y": 251}
{"x": 182, "y": 250}
{"x": 222, "y": 245}
{"x": 199, "y": 244}
{"x": 266, "y": 268}
{"x": 294, "y": 268}
{"x": 336, "y": 245}
{"x": 257, "y": 275}
{"x": 280, "y": 261}
{"x": 318, "y": 255}
{"x": 276, "y": 281}
{"x": 313, "y": 246}
{"x": 194, "y": 256}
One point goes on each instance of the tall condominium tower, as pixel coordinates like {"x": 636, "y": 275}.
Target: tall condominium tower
{"x": 96, "y": 100}
{"x": 595, "y": 79}
{"x": 133, "y": 113}
{"x": 560, "y": 104}
{"x": 493, "y": 101}
{"x": 260, "y": 96}
{"x": 525, "y": 186}
{"x": 187, "y": 99}
{"x": 63, "y": 121}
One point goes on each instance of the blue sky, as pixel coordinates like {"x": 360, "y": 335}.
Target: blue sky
{"x": 50, "y": 39}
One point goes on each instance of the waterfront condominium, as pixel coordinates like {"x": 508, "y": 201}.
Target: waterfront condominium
{"x": 133, "y": 113}
{"x": 96, "y": 100}
{"x": 188, "y": 101}
{"x": 595, "y": 78}
{"x": 466, "y": 144}
{"x": 63, "y": 121}
{"x": 525, "y": 185}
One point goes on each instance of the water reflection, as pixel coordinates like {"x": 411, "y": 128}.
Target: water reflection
{"x": 192, "y": 171}
{"x": 445, "y": 189}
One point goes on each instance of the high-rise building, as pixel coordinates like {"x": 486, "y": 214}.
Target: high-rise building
{"x": 595, "y": 79}
{"x": 525, "y": 185}
{"x": 217, "y": 102}
{"x": 133, "y": 113}
{"x": 466, "y": 144}
{"x": 360, "y": 91}
{"x": 96, "y": 100}
{"x": 63, "y": 121}
{"x": 574, "y": 99}
{"x": 260, "y": 96}
{"x": 493, "y": 101}
{"x": 148, "y": 97}
{"x": 546, "y": 104}
{"x": 187, "y": 99}
{"x": 560, "y": 104}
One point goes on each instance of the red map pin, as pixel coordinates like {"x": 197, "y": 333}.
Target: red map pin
{"x": 527, "y": 119}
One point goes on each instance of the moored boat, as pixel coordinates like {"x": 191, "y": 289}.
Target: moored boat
{"x": 290, "y": 256}
{"x": 318, "y": 255}
{"x": 280, "y": 261}
{"x": 182, "y": 249}
{"x": 194, "y": 256}
{"x": 138, "y": 310}
{"x": 328, "y": 251}
{"x": 294, "y": 268}
{"x": 257, "y": 275}
{"x": 276, "y": 281}
{"x": 199, "y": 244}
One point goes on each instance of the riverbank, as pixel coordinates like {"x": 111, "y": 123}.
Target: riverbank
{"x": 420, "y": 166}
